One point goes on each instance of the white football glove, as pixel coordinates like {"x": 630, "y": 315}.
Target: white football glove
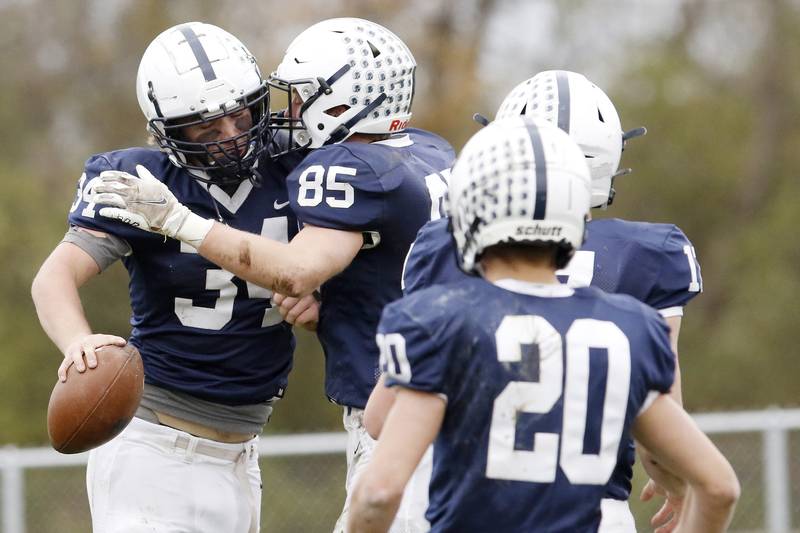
{"x": 146, "y": 203}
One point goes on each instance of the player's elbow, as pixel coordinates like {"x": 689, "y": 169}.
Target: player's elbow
{"x": 722, "y": 491}
{"x": 380, "y": 497}
{"x": 725, "y": 494}
{"x": 296, "y": 282}
{"x": 373, "y": 505}
{"x": 40, "y": 287}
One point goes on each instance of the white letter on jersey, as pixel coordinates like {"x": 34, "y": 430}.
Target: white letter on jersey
{"x": 580, "y": 269}
{"x": 539, "y": 465}
{"x": 215, "y": 318}
{"x": 314, "y": 185}
{"x": 277, "y": 229}
{"x": 209, "y": 317}
{"x": 594, "y": 469}
{"x": 333, "y": 185}
{"x": 695, "y": 285}
{"x": 503, "y": 461}
{"x": 86, "y": 194}
{"x": 311, "y": 180}
{"x": 437, "y": 190}
{"x": 393, "y": 358}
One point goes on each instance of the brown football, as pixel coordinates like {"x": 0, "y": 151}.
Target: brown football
{"x": 93, "y": 407}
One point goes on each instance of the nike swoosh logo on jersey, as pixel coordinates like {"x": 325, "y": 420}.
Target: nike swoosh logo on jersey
{"x": 277, "y": 205}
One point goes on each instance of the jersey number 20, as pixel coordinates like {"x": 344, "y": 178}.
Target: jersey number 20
{"x": 504, "y": 461}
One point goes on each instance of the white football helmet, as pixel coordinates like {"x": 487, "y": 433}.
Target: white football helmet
{"x": 354, "y": 65}
{"x": 192, "y": 74}
{"x": 519, "y": 180}
{"x": 580, "y": 108}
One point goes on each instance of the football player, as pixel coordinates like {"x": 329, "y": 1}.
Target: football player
{"x": 655, "y": 263}
{"x": 216, "y": 353}
{"x": 527, "y": 387}
{"x": 362, "y": 193}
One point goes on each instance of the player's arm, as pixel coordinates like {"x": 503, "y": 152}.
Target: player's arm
{"x": 58, "y": 305}
{"x": 412, "y": 424}
{"x": 294, "y": 269}
{"x": 677, "y": 282}
{"x": 682, "y": 450}
{"x": 674, "y": 323}
{"x": 378, "y": 406}
{"x": 665, "y": 519}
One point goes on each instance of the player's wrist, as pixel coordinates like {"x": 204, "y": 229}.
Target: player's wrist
{"x": 189, "y": 227}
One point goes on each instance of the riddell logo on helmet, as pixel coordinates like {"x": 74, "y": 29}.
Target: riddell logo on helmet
{"x": 398, "y": 125}
{"x": 539, "y": 231}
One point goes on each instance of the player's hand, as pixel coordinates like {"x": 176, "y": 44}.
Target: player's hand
{"x": 144, "y": 202}
{"x": 85, "y": 346}
{"x": 668, "y": 517}
{"x": 303, "y": 312}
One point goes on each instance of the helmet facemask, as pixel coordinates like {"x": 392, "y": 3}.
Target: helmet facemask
{"x": 308, "y": 91}
{"x": 226, "y": 161}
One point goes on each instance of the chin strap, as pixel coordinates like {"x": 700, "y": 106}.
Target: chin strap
{"x": 324, "y": 87}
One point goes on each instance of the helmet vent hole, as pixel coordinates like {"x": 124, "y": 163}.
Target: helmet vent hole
{"x": 373, "y": 49}
{"x": 600, "y": 115}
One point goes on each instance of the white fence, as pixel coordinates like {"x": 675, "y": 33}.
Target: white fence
{"x": 774, "y": 425}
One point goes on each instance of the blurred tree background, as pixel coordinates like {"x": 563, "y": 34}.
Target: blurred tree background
{"x": 715, "y": 92}
{"x": 715, "y": 82}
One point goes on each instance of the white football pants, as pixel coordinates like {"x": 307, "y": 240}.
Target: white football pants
{"x": 360, "y": 446}
{"x": 617, "y": 517}
{"x": 154, "y": 478}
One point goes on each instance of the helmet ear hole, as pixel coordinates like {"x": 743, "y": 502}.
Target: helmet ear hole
{"x": 335, "y": 111}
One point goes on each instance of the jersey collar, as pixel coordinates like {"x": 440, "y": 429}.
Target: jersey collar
{"x": 231, "y": 203}
{"x": 396, "y": 141}
{"x": 543, "y": 290}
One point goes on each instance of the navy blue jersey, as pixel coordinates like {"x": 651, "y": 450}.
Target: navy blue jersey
{"x": 387, "y": 190}
{"x": 200, "y": 330}
{"x": 654, "y": 263}
{"x": 432, "y": 259}
{"x": 543, "y": 383}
